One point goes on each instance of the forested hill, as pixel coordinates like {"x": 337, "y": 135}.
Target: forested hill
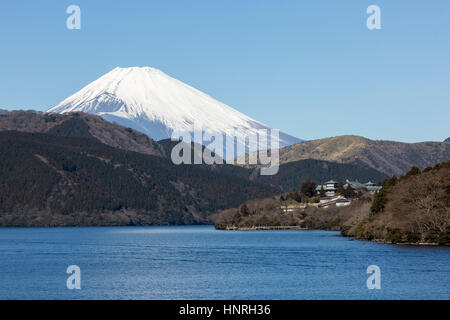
{"x": 414, "y": 208}
{"x": 291, "y": 175}
{"x": 168, "y": 144}
{"x": 80, "y": 124}
{"x": 48, "y": 180}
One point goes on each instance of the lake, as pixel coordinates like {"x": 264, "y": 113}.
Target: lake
{"x": 199, "y": 262}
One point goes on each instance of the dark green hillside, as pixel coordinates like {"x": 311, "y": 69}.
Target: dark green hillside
{"x": 54, "y": 180}
{"x": 291, "y": 175}
{"x": 73, "y": 127}
{"x": 82, "y": 125}
{"x": 168, "y": 144}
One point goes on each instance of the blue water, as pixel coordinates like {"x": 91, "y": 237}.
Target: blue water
{"x": 198, "y": 262}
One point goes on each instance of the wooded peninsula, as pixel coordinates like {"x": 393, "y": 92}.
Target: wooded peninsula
{"x": 412, "y": 209}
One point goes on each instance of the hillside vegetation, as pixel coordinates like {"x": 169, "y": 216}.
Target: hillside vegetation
{"x": 47, "y": 179}
{"x": 389, "y": 157}
{"x": 81, "y": 125}
{"x": 257, "y": 213}
{"x": 291, "y": 175}
{"x": 415, "y": 208}
{"x": 412, "y": 209}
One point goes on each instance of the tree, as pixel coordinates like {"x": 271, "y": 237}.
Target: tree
{"x": 349, "y": 192}
{"x": 244, "y": 210}
{"x": 308, "y": 188}
{"x": 379, "y": 201}
{"x": 340, "y": 189}
{"x": 236, "y": 219}
{"x": 322, "y": 191}
{"x": 390, "y": 182}
{"x": 414, "y": 171}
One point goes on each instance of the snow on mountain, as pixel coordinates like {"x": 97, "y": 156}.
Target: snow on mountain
{"x": 150, "y": 101}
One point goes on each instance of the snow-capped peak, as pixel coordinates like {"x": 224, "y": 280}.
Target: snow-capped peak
{"x": 152, "y": 102}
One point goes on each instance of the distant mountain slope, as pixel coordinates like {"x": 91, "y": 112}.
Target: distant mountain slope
{"x": 389, "y": 157}
{"x": 58, "y": 180}
{"x": 168, "y": 144}
{"x": 291, "y": 175}
{"x": 80, "y": 125}
{"x": 156, "y": 104}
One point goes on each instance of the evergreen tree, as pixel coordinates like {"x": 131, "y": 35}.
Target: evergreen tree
{"x": 245, "y": 211}
{"x": 349, "y": 192}
{"x": 322, "y": 192}
{"x": 414, "y": 171}
{"x": 379, "y": 201}
{"x": 340, "y": 189}
{"x": 308, "y": 188}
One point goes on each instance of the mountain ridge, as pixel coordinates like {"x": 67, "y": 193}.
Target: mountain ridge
{"x": 389, "y": 157}
{"x": 92, "y": 125}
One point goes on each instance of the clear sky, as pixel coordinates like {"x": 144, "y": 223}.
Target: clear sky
{"x": 309, "y": 68}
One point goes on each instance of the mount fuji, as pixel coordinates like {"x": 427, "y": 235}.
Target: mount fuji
{"x": 148, "y": 100}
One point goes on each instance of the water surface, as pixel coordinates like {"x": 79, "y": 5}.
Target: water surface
{"x": 198, "y": 262}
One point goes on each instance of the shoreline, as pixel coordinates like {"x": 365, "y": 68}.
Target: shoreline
{"x": 262, "y": 228}
{"x": 380, "y": 241}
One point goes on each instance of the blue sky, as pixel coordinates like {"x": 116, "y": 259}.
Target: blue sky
{"x": 309, "y": 68}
